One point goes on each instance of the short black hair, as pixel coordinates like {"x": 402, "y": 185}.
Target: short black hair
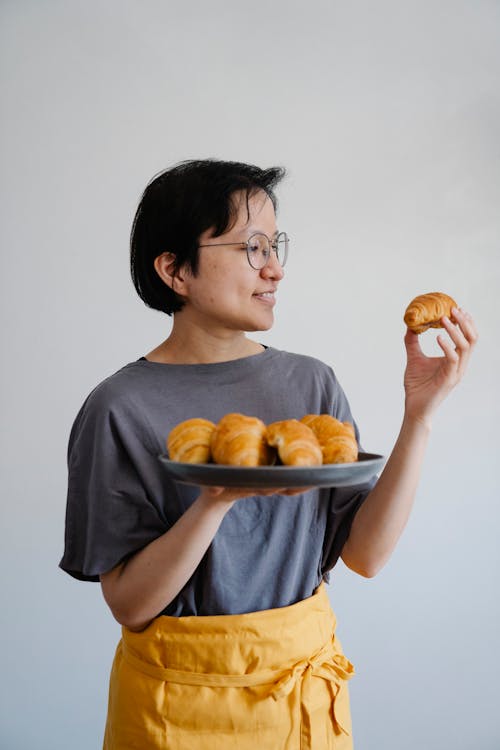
{"x": 177, "y": 206}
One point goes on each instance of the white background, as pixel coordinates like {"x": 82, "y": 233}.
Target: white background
{"x": 387, "y": 116}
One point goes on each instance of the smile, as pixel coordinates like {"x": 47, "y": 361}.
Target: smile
{"x": 267, "y": 297}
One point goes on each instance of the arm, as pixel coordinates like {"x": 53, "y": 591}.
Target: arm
{"x": 138, "y": 589}
{"x": 380, "y": 521}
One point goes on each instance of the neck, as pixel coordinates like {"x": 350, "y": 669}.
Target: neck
{"x": 189, "y": 345}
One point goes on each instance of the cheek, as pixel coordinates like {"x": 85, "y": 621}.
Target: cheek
{"x": 210, "y": 263}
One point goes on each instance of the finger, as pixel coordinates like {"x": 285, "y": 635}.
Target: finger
{"x": 214, "y": 491}
{"x": 457, "y": 335}
{"x": 296, "y": 491}
{"x": 287, "y": 491}
{"x": 451, "y": 355}
{"x": 466, "y": 323}
{"x": 412, "y": 343}
{"x": 261, "y": 491}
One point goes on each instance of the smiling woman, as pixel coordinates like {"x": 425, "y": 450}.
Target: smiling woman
{"x": 226, "y": 295}
{"x": 228, "y": 638}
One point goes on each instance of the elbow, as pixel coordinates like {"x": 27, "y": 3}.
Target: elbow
{"x": 368, "y": 571}
{"x": 129, "y": 619}
{"x": 367, "y": 567}
{"x": 365, "y": 559}
{"x": 125, "y": 614}
{"x": 136, "y": 626}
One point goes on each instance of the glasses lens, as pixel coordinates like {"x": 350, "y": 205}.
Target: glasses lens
{"x": 282, "y": 248}
{"x": 258, "y": 251}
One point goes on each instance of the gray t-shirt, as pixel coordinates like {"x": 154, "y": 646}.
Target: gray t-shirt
{"x": 269, "y": 551}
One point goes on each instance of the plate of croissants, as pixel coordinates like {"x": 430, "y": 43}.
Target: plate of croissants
{"x": 242, "y": 451}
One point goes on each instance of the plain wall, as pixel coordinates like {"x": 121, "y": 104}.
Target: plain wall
{"x": 387, "y": 116}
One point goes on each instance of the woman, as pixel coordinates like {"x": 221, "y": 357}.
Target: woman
{"x": 228, "y": 639}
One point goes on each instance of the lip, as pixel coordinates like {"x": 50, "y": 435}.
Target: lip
{"x": 267, "y": 297}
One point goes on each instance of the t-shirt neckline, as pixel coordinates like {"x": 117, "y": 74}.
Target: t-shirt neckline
{"x": 241, "y": 361}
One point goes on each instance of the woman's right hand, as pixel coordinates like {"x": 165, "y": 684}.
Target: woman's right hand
{"x": 231, "y": 494}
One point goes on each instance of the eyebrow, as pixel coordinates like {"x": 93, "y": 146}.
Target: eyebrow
{"x": 254, "y": 230}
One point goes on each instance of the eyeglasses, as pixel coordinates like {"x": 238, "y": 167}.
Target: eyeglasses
{"x": 259, "y": 247}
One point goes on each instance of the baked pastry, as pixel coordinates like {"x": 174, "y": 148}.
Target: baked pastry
{"x": 337, "y": 439}
{"x": 189, "y": 441}
{"x": 296, "y": 443}
{"x": 426, "y": 311}
{"x": 239, "y": 440}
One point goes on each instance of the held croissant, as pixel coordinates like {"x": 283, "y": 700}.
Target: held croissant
{"x": 189, "y": 441}
{"x": 239, "y": 440}
{"x": 337, "y": 439}
{"x": 426, "y": 311}
{"x": 296, "y": 443}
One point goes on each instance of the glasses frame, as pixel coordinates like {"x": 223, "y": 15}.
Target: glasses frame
{"x": 273, "y": 245}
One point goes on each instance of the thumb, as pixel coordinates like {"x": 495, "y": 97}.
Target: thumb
{"x": 412, "y": 343}
{"x": 214, "y": 491}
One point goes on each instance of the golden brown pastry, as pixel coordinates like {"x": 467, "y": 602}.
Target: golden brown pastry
{"x": 189, "y": 441}
{"x": 337, "y": 439}
{"x": 239, "y": 440}
{"x": 296, "y": 443}
{"x": 426, "y": 311}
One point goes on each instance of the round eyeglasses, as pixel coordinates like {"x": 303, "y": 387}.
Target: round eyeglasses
{"x": 259, "y": 247}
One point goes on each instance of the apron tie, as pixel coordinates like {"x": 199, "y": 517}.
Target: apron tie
{"x": 325, "y": 663}
{"x": 330, "y": 666}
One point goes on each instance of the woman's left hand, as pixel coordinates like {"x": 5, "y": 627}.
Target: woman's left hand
{"x": 428, "y": 380}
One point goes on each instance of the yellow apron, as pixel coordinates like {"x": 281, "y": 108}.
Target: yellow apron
{"x": 269, "y": 680}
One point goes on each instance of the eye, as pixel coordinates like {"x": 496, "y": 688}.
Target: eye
{"x": 253, "y": 246}
{"x": 259, "y": 246}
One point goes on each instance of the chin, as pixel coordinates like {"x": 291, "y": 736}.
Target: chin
{"x": 262, "y": 326}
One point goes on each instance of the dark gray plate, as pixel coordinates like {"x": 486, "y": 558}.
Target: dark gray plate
{"x": 328, "y": 475}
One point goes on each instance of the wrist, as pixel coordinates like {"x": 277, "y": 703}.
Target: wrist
{"x": 215, "y": 498}
{"x": 421, "y": 421}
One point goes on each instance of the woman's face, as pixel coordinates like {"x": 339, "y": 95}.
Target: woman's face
{"x": 227, "y": 293}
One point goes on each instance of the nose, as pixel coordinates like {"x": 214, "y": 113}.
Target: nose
{"x": 273, "y": 269}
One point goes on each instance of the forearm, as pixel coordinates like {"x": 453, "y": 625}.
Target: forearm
{"x": 380, "y": 521}
{"x": 139, "y": 589}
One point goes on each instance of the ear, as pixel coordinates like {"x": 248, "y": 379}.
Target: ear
{"x": 165, "y": 268}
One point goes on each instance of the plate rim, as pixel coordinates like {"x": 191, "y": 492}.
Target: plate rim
{"x": 325, "y": 475}
{"x": 370, "y": 457}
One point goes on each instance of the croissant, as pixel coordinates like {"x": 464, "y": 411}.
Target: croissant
{"x": 189, "y": 441}
{"x": 426, "y": 311}
{"x": 296, "y": 443}
{"x": 337, "y": 439}
{"x": 239, "y": 440}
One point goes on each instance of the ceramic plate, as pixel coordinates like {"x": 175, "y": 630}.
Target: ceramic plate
{"x": 328, "y": 475}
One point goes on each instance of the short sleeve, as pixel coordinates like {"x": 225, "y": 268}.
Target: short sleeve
{"x": 344, "y": 502}
{"x": 114, "y": 503}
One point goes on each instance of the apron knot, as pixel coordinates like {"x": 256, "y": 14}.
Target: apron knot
{"x": 326, "y": 664}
